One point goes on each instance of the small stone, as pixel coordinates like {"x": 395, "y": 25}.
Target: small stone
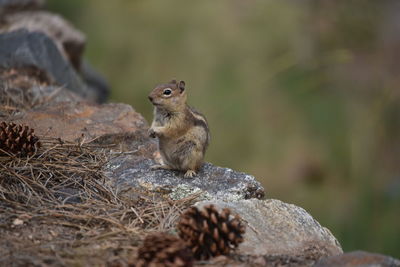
{"x": 54, "y": 234}
{"x": 260, "y": 261}
{"x": 18, "y": 222}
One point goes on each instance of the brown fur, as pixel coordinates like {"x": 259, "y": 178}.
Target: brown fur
{"x": 183, "y": 134}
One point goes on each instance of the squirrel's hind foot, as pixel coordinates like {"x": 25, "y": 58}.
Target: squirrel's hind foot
{"x": 190, "y": 174}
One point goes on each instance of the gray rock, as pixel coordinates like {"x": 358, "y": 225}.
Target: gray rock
{"x": 69, "y": 41}
{"x": 277, "y": 228}
{"x": 34, "y": 49}
{"x": 95, "y": 81}
{"x": 211, "y": 182}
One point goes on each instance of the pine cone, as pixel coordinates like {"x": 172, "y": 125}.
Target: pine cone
{"x": 164, "y": 250}
{"x": 17, "y": 139}
{"x": 210, "y": 233}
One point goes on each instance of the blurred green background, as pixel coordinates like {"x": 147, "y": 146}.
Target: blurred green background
{"x": 305, "y": 95}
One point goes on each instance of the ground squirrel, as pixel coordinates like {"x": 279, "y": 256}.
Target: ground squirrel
{"x": 182, "y": 132}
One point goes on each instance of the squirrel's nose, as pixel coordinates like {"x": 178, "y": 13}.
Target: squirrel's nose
{"x": 150, "y": 98}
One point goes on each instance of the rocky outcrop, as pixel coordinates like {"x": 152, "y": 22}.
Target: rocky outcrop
{"x": 48, "y": 86}
{"x": 120, "y": 124}
{"x": 279, "y": 229}
{"x": 40, "y": 50}
{"x": 211, "y": 182}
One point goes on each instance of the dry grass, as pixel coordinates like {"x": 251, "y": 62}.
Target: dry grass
{"x": 64, "y": 209}
{"x": 24, "y": 88}
{"x": 56, "y": 168}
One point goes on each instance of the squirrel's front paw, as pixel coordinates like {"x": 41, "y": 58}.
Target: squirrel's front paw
{"x": 151, "y": 133}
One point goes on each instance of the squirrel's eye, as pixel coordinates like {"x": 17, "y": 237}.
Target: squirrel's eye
{"x": 167, "y": 92}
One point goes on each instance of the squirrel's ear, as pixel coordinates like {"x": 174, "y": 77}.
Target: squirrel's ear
{"x": 181, "y": 86}
{"x": 173, "y": 81}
